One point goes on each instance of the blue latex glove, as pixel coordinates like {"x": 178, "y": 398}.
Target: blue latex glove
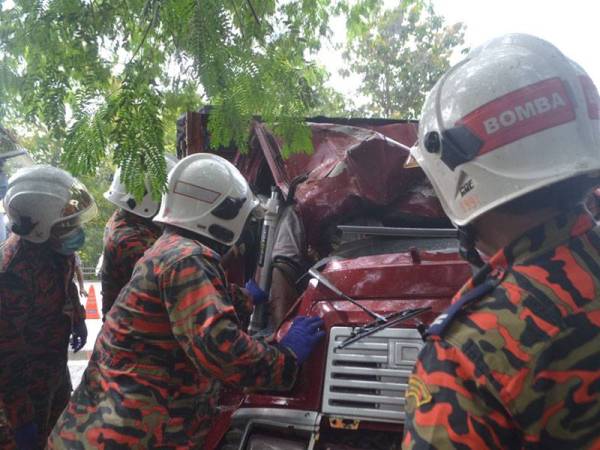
{"x": 78, "y": 336}
{"x": 258, "y": 295}
{"x": 26, "y": 436}
{"x": 303, "y": 335}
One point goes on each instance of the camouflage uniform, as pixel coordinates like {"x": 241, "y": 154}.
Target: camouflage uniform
{"x": 126, "y": 237}
{"x": 169, "y": 342}
{"x": 6, "y": 437}
{"x": 515, "y": 361}
{"x": 39, "y": 306}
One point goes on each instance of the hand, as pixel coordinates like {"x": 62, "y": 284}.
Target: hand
{"x": 26, "y": 436}
{"x": 302, "y": 336}
{"x": 78, "y": 336}
{"x": 83, "y": 293}
{"x": 258, "y": 295}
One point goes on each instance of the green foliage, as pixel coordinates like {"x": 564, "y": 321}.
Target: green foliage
{"x": 399, "y": 54}
{"x": 8, "y": 142}
{"x": 106, "y": 78}
{"x": 97, "y": 184}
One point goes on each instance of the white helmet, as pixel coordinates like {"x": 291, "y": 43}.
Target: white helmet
{"x": 118, "y": 195}
{"x": 12, "y": 158}
{"x": 515, "y": 116}
{"x": 41, "y": 197}
{"x": 206, "y": 194}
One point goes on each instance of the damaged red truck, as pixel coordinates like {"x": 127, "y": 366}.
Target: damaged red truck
{"x": 397, "y": 256}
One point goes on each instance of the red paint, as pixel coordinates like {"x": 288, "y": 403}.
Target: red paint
{"x": 355, "y": 164}
{"x": 384, "y": 283}
{"x": 372, "y": 154}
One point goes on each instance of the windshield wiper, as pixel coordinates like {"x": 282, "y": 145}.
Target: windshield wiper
{"x": 380, "y": 321}
{"x": 375, "y": 326}
{"x": 333, "y": 288}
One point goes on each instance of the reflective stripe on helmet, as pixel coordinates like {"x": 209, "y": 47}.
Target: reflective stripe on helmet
{"x": 520, "y": 113}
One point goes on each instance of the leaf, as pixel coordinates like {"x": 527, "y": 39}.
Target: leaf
{"x": 399, "y": 55}
{"x": 98, "y": 81}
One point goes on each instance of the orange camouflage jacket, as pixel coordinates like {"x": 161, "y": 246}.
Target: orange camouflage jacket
{"x": 515, "y": 361}
{"x": 39, "y": 304}
{"x": 172, "y": 338}
{"x": 126, "y": 238}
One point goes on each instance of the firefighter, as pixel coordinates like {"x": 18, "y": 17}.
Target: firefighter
{"x": 128, "y": 234}
{"x": 510, "y": 139}
{"x": 174, "y": 335}
{"x": 7, "y": 440}
{"x": 40, "y": 307}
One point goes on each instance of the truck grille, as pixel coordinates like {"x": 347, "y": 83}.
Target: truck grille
{"x": 368, "y": 378}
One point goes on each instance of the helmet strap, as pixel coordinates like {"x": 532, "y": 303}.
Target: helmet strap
{"x": 466, "y": 241}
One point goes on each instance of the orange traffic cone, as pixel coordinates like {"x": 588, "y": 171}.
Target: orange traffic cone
{"x": 91, "y": 307}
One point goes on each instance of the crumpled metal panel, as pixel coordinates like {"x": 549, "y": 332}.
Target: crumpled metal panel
{"x": 357, "y": 171}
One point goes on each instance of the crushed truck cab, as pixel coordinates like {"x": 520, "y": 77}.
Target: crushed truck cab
{"x": 353, "y": 397}
{"x": 403, "y": 257}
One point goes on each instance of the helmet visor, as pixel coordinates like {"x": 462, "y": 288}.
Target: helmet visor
{"x": 79, "y": 209}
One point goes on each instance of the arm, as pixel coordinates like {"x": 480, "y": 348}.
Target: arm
{"x": 109, "y": 276}
{"x": 204, "y": 322}
{"x": 15, "y": 374}
{"x": 449, "y": 404}
{"x": 79, "y": 275}
{"x": 242, "y": 302}
{"x": 120, "y": 255}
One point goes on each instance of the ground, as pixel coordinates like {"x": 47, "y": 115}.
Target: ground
{"x": 78, "y": 361}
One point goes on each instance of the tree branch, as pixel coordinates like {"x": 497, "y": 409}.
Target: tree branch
{"x": 253, "y": 12}
{"x": 146, "y": 31}
{"x": 239, "y": 17}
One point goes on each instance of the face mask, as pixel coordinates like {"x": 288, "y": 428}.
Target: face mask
{"x": 69, "y": 243}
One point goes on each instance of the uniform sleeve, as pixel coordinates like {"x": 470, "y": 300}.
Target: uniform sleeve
{"x": 449, "y": 404}
{"x": 15, "y": 374}
{"x": 110, "y": 278}
{"x": 119, "y": 260}
{"x": 204, "y": 322}
{"x": 242, "y": 302}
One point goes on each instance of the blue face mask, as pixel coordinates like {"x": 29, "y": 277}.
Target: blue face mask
{"x": 69, "y": 243}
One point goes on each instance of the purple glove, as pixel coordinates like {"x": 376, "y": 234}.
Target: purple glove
{"x": 26, "y": 436}
{"x": 78, "y": 336}
{"x": 258, "y": 295}
{"x": 302, "y": 336}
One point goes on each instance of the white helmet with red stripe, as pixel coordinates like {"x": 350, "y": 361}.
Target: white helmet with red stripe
{"x": 515, "y": 116}
{"x": 207, "y": 195}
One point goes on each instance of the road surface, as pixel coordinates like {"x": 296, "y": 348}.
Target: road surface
{"x": 78, "y": 361}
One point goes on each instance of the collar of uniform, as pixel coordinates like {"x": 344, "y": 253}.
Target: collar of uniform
{"x": 206, "y": 249}
{"x": 534, "y": 242}
{"x": 543, "y": 237}
{"x": 132, "y": 218}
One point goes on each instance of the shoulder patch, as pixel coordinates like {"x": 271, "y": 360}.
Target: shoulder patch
{"x": 418, "y": 390}
{"x": 443, "y": 321}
